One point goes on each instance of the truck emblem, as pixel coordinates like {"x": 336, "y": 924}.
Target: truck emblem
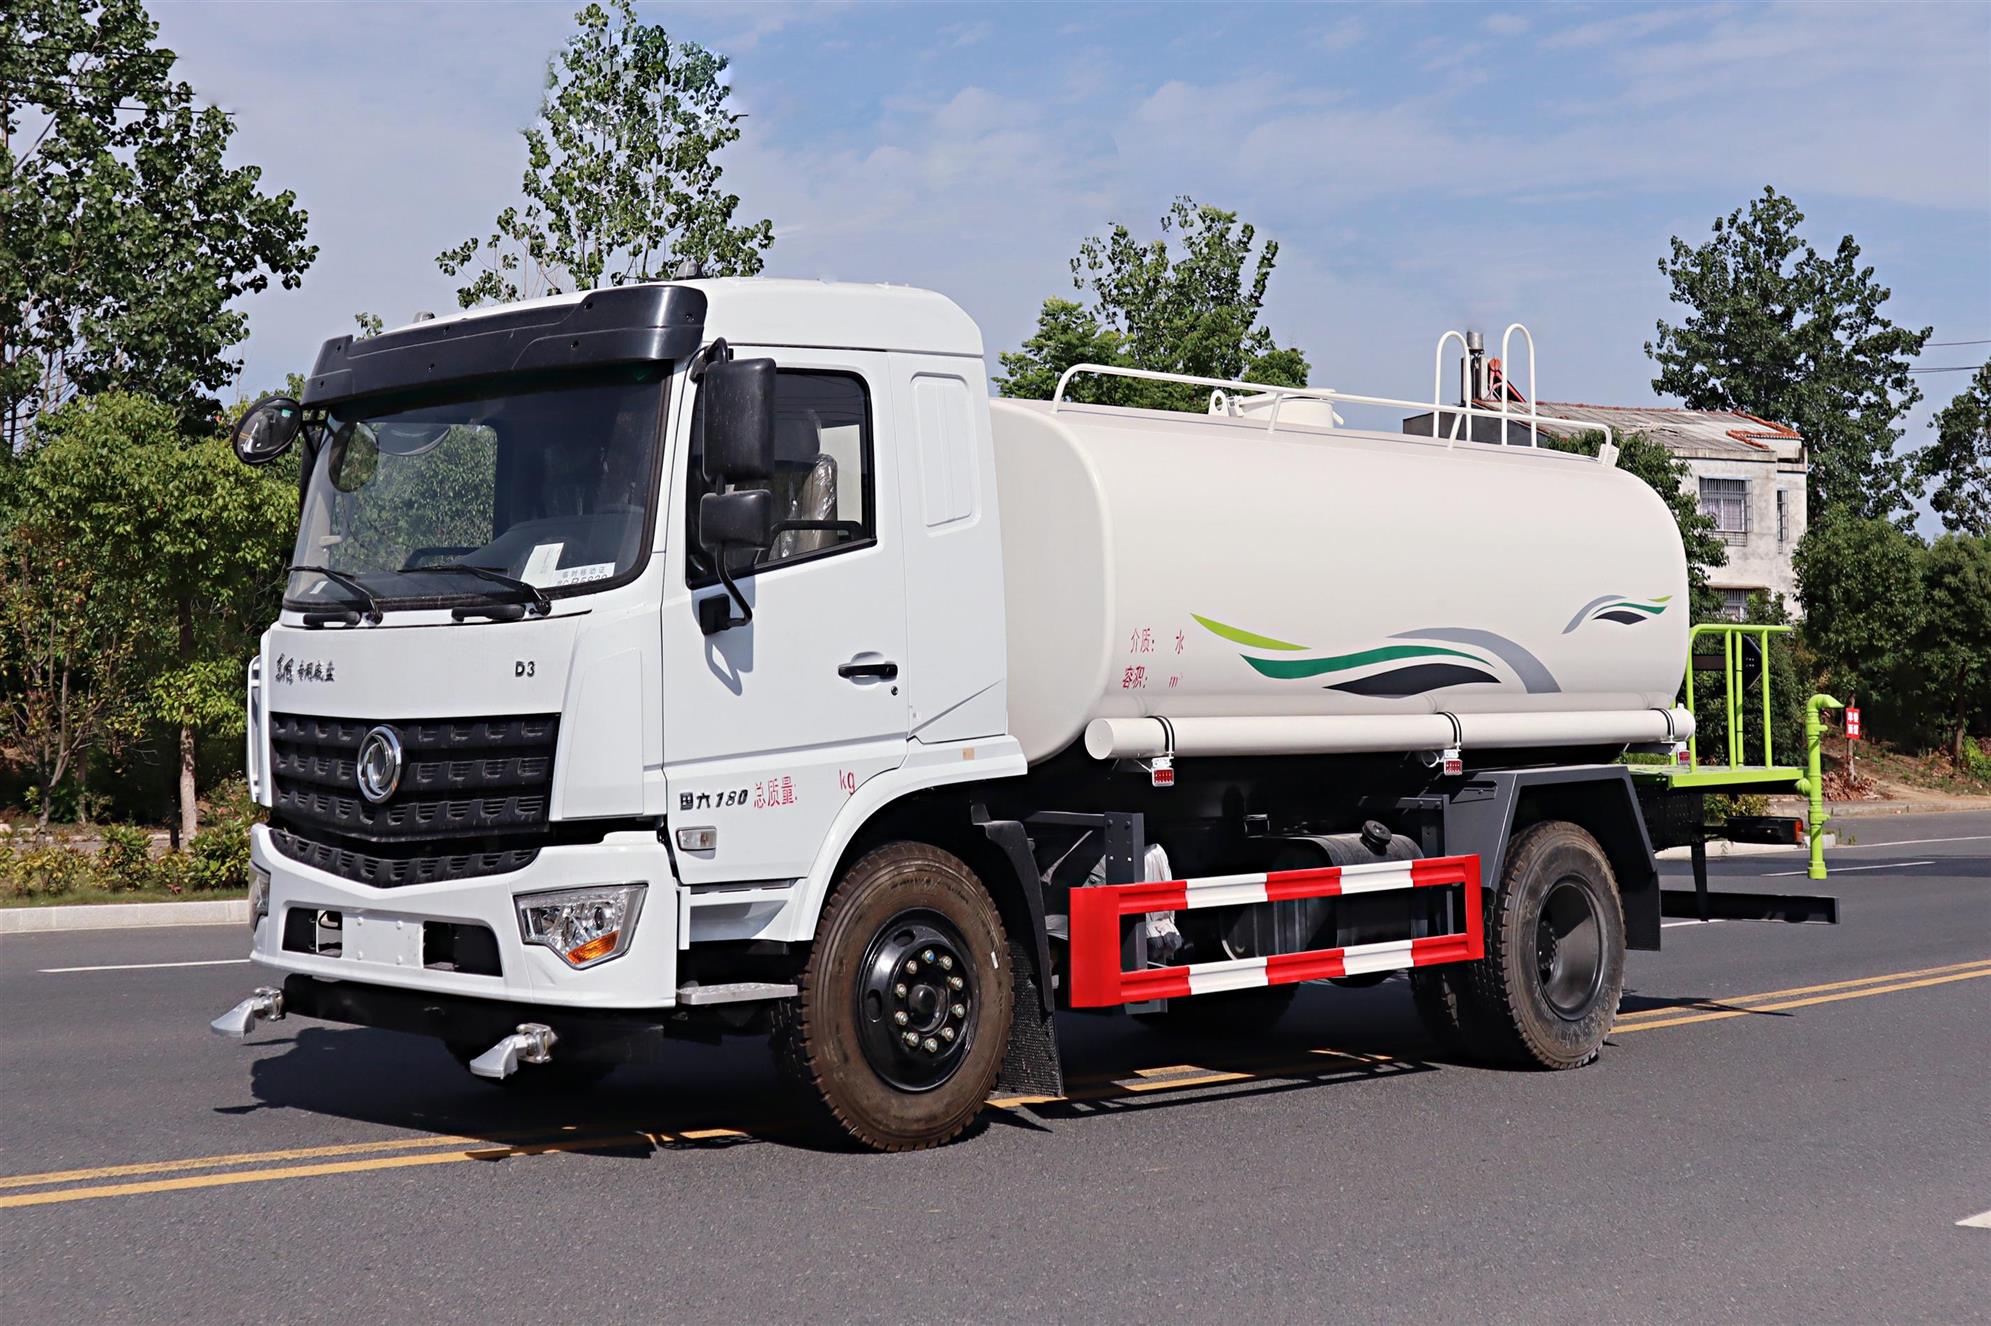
{"x": 378, "y": 770}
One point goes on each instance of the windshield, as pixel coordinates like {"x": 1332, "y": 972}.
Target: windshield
{"x": 550, "y": 482}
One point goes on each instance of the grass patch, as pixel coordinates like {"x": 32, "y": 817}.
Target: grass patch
{"x": 94, "y": 897}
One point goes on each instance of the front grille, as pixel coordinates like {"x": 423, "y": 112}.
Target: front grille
{"x": 472, "y": 798}
{"x": 461, "y": 778}
{"x": 386, "y": 872}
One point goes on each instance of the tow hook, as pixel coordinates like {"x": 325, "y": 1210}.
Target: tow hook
{"x": 532, "y": 1043}
{"x": 266, "y": 1005}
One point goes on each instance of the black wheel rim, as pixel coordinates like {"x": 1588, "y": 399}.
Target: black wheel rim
{"x": 1569, "y": 949}
{"x": 916, "y": 1001}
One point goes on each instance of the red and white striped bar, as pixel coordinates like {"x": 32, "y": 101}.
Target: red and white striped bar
{"x": 1099, "y": 982}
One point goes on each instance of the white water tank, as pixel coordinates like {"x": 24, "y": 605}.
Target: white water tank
{"x": 1201, "y": 569}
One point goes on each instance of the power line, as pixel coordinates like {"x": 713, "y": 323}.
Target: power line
{"x": 1960, "y": 368}
{"x": 1935, "y": 343}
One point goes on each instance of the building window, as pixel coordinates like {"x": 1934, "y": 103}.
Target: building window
{"x": 1783, "y": 516}
{"x": 1735, "y": 604}
{"x": 1727, "y": 500}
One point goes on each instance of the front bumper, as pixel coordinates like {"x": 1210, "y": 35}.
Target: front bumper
{"x": 384, "y": 929}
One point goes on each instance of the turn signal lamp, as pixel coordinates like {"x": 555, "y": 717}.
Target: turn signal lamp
{"x": 584, "y": 926}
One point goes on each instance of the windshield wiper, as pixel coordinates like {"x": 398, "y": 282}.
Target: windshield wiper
{"x": 541, "y": 605}
{"x": 344, "y": 581}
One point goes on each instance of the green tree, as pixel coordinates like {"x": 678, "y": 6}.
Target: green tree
{"x": 1778, "y": 330}
{"x": 195, "y": 542}
{"x": 1952, "y": 652}
{"x": 1959, "y": 460}
{"x": 1189, "y": 301}
{"x": 125, "y": 237}
{"x": 621, "y": 180}
{"x": 1670, "y": 477}
{"x": 71, "y": 640}
{"x": 1861, "y": 582}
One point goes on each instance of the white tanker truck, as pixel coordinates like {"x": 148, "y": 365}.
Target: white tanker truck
{"x": 713, "y": 657}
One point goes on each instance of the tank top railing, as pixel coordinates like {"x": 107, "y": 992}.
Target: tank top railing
{"x": 1607, "y": 454}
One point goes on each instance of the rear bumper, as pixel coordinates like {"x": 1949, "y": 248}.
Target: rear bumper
{"x": 393, "y": 923}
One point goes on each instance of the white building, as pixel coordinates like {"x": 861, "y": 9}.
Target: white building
{"x": 1749, "y": 475}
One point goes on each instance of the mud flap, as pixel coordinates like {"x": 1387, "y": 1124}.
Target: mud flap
{"x": 1031, "y": 1066}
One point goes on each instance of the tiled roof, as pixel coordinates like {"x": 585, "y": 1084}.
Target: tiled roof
{"x": 1720, "y": 434}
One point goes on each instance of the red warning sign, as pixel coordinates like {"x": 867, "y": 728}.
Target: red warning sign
{"x": 1852, "y": 725}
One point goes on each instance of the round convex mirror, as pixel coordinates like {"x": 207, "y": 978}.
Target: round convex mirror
{"x": 267, "y": 430}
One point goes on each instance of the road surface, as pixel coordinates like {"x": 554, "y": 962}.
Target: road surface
{"x": 1788, "y": 1126}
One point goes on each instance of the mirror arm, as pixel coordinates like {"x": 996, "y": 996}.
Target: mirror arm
{"x": 716, "y": 353}
{"x": 732, "y": 588}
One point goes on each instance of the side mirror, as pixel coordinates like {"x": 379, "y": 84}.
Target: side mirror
{"x": 737, "y": 404}
{"x": 267, "y": 430}
{"x": 743, "y": 519}
{"x": 740, "y": 519}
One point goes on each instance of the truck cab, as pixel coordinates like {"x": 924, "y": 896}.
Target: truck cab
{"x": 519, "y": 740}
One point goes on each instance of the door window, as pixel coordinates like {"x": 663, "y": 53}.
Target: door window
{"x": 822, "y": 484}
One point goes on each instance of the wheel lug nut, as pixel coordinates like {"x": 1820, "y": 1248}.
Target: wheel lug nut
{"x": 912, "y": 1038}
{"x": 926, "y": 956}
{"x": 911, "y": 966}
{"x": 947, "y": 1033}
{"x": 946, "y": 963}
{"x": 900, "y": 1017}
{"x": 959, "y": 1010}
{"x": 931, "y": 1046}
{"x": 954, "y": 982}
{"x": 900, "y": 989}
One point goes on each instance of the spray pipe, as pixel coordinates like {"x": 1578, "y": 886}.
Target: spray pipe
{"x": 1812, "y": 784}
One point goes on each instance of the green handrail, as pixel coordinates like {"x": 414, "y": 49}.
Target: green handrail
{"x": 1734, "y": 699}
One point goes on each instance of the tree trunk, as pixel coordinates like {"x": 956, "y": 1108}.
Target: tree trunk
{"x": 1961, "y": 732}
{"x": 189, "y": 809}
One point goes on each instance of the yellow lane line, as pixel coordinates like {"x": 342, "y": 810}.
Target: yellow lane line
{"x": 1719, "y": 1014}
{"x": 309, "y": 1153}
{"x": 190, "y": 1181}
{"x": 241, "y": 1158}
{"x": 1731, "y": 1000}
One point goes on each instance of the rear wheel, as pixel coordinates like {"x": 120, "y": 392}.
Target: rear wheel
{"x": 1547, "y": 991}
{"x": 902, "y": 1013}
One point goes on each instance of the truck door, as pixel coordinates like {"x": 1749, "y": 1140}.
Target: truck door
{"x": 954, "y": 606}
{"x": 771, "y": 726}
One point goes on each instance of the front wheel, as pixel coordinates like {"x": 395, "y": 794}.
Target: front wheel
{"x": 902, "y": 1014}
{"x": 1546, "y": 994}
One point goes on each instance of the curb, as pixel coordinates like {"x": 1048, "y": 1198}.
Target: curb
{"x": 1720, "y": 847}
{"x": 123, "y": 915}
{"x": 1855, "y": 810}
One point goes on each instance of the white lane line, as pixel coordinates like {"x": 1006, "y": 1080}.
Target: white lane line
{"x": 1846, "y": 870}
{"x": 1982, "y": 1220}
{"x": 150, "y": 966}
{"x": 1668, "y": 925}
{"x": 1917, "y": 842}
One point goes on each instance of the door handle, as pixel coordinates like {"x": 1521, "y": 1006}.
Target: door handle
{"x": 883, "y": 671}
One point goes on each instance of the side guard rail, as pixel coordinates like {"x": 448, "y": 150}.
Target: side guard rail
{"x": 1099, "y": 979}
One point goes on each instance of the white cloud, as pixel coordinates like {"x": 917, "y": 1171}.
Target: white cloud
{"x": 1341, "y": 35}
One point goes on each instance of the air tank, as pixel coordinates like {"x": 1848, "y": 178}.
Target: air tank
{"x": 1319, "y": 589}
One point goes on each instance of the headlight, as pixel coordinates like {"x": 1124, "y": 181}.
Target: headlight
{"x": 259, "y": 894}
{"x": 584, "y": 926}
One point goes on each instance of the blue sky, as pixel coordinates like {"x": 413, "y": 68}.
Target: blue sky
{"x": 1422, "y": 166}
